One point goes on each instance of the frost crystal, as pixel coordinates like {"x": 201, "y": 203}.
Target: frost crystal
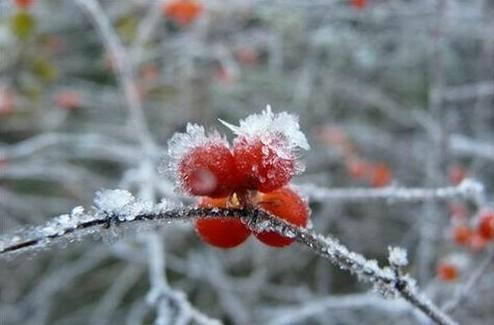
{"x": 268, "y": 123}
{"x": 181, "y": 143}
{"x": 398, "y": 256}
{"x": 113, "y": 201}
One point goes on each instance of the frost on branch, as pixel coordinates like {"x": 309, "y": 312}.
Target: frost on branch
{"x": 397, "y": 257}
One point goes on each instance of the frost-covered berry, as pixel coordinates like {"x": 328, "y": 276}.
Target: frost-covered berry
{"x": 380, "y": 175}
{"x": 220, "y": 232}
{"x": 203, "y": 164}
{"x": 266, "y": 150}
{"x": 287, "y": 205}
{"x": 486, "y": 224}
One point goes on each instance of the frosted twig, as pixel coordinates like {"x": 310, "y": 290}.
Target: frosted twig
{"x": 124, "y": 69}
{"x": 464, "y": 290}
{"x": 473, "y": 147}
{"x": 469, "y": 189}
{"x": 123, "y": 210}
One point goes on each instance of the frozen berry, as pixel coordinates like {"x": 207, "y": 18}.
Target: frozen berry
{"x": 287, "y": 205}
{"x": 266, "y": 150}
{"x": 462, "y": 235}
{"x": 220, "y": 232}
{"x": 203, "y": 164}
{"x": 380, "y": 175}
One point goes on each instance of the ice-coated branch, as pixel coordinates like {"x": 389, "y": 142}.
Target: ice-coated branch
{"x": 118, "y": 208}
{"x": 469, "y": 189}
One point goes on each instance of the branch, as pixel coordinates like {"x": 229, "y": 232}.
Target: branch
{"x": 116, "y": 209}
{"x": 469, "y": 189}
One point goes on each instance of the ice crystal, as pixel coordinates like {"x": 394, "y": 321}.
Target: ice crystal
{"x": 112, "y": 201}
{"x": 397, "y": 256}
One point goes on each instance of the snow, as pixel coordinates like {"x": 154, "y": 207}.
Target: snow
{"x": 398, "y": 256}
{"x": 181, "y": 143}
{"x": 112, "y": 201}
{"x": 267, "y": 123}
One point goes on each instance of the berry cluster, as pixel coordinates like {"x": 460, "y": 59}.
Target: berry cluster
{"x": 254, "y": 172}
{"x": 182, "y": 12}
{"x": 375, "y": 173}
{"x": 474, "y": 234}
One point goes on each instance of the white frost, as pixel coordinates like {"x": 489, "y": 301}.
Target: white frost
{"x": 113, "y": 201}
{"x": 398, "y": 256}
{"x": 267, "y": 122}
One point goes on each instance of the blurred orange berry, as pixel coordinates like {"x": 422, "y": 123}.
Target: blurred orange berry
{"x": 182, "y": 12}
{"x": 477, "y": 242}
{"x": 447, "y": 272}
{"x": 462, "y": 235}
{"x": 68, "y": 99}
{"x": 380, "y": 174}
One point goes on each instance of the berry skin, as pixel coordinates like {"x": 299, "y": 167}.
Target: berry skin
{"x": 182, "y": 12}
{"x": 287, "y": 205}
{"x": 24, "y": 3}
{"x": 208, "y": 170}
{"x": 477, "y": 242}
{"x": 261, "y": 166}
{"x": 486, "y": 224}
{"x": 462, "y": 235}
{"x": 220, "y": 232}
{"x": 357, "y": 168}
{"x": 447, "y": 272}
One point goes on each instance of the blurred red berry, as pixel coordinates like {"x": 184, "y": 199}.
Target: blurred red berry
{"x": 456, "y": 174}
{"x": 247, "y": 56}
{"x": 477, "y": 242}
{"x": 287, "y": 205}
{"x": 208, "y": 170}
{"x": 6, "y": 102}
{"x": 380, "y": 174}
{"x": 486, "y": 224}
{"x": 462, "y": 235}
{"x": 183, "y": 12}
{"x": 220, "y": 232}
{"x": 68, "y": 99}
{"x": 260, "y": 164}
{"x": 357, "y": 168}
{"x": 447, "y": 272}
{"x": 24, "y": 3}
{"x": 359, "y": 4}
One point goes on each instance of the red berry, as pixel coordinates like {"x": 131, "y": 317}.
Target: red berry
{"x": 24, "y": 3}
{"x": 458, "y": 210}
{"x": 447, "y": 272}
{"x": 359, "y": 4}
{"x": 380, "y": 175}
{"x": 183, "y": 12}
{"x": 261, "y": 165}
{"x": 287, "y": 205}
{"x": 220, "y": 232}
{"x": 208, "y": 170}
{"x": 70, "y": 100}
{"x": 357, "y": 168}
{"x": 486, "y": 224}
{"x": 462, "y": 235}
{"x": 477, "y": 242}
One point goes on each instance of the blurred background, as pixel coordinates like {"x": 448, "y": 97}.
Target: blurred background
{"x": 389, "y": 93}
